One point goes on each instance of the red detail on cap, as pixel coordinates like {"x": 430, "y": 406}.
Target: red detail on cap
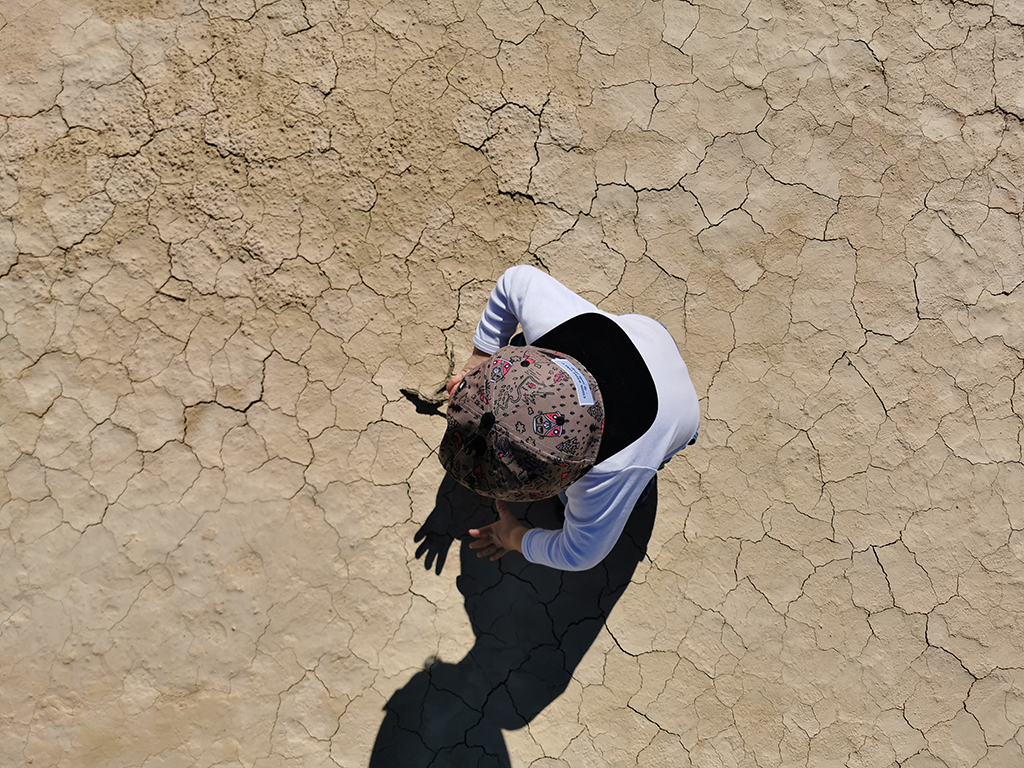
{"x": 499, "y": 368}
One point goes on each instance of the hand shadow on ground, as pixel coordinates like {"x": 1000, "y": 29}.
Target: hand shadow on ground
{"x": 532, "y": 625}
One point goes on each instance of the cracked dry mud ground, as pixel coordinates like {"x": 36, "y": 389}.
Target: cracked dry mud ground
{"x": 232, "y": 230}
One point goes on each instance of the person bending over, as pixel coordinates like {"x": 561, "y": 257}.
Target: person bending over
{"x": 583, "y": 403}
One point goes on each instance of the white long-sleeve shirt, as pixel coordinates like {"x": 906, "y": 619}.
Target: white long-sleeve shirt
{"x": 600, "y": 502}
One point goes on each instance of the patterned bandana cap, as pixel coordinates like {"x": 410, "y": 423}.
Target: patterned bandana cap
{"x": 524, "y": 425}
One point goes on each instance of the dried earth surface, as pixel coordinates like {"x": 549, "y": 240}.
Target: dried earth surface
{"x": 232, "y": 231}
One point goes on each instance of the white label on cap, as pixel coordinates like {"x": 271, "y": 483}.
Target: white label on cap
{"x": 583, "y": 393}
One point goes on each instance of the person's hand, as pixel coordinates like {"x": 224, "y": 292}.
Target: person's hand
{"x": 477, "y": 358}
{"x": 496, "y": 539}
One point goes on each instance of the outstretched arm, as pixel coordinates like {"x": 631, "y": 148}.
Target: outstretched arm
{"x": 522, "y": 296}
{"x": 526, "y": 296}
{"x": 599, "y": 505}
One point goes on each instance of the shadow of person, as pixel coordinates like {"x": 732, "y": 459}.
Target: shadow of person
{"x": 532, "y": 625}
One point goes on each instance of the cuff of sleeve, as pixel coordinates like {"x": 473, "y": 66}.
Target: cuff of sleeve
{"x": 526, "y": 545}
{"x": 488, "y": 345}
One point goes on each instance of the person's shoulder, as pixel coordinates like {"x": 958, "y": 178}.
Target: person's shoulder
{"x": 525, "y": 271}
{"x": 526, "y": 279}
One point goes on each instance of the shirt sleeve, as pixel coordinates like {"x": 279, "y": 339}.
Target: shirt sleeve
{"x": 599, "y": 506}
{"x": 526, "y": 296}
